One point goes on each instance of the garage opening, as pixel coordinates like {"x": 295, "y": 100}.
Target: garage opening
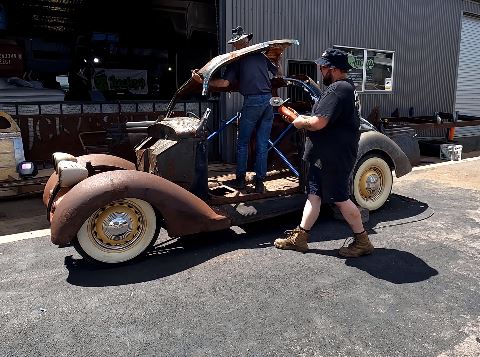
{"x": 468, "y": 88}
{"x": 108, "y": 50}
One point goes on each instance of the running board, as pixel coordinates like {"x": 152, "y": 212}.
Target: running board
{"x": 248, "y": 212}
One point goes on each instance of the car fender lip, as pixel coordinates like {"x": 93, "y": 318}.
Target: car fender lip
{"x": 273, "y": 50}
{"x": 176, "y": 205}
{"x": 372, "y": 140}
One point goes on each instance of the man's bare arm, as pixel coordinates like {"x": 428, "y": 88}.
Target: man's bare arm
{"x": 310, "y": 122}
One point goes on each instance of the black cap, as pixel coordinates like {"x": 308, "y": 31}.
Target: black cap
{"x": 333, "y": 57}
{"x": 239, "y": 34}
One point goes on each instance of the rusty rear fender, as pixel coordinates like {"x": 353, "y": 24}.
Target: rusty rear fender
{"x": 372, "y": 141}
{"x": 183, "y": 212}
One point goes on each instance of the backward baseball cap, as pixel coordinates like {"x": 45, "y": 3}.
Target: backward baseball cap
{"x": 333, "y": 57}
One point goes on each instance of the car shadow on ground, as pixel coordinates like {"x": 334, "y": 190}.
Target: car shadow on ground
{"x": 172, "y": 257}
{"x": 399, "y": 210}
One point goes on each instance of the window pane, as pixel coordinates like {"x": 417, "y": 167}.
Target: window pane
{"x": 355, "y": 58}
{"x": 379, "y": 71}
{"x": 307, "y": 68}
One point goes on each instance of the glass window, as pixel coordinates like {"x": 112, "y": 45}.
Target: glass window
{"x": 372, "y": 69}
{"x": 379, "y": 71}
{"x": 356, "y": 59}
{"x": 307, "y": 68}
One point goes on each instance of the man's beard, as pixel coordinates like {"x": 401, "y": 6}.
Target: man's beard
{"x": 327, "y": 79}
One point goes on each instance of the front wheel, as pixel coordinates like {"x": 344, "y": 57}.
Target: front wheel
{"x": 118, "y": 232}
{"x": 372, "y": 182}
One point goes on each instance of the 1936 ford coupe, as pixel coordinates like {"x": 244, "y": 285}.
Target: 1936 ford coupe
{"x": 111, "y": 209}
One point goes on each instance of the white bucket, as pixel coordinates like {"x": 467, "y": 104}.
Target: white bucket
{"x": 451, "y": 152}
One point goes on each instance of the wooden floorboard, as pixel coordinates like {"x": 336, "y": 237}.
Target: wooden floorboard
{"x": 221, "y": 177}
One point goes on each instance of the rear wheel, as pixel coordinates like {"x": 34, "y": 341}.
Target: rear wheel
{"x": 372, "y": 182}
{"x": 118, "y": 232}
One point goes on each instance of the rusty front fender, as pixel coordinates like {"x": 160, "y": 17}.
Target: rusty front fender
{"x": 375, "y": 141}
{"x": 108, "y": 161}
{"x": 183, "y": 212}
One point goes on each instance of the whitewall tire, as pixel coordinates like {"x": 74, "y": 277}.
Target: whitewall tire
{"x": 118, "y": 232}
{"x": 372, "y": 182}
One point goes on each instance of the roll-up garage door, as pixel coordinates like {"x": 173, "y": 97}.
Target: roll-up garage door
{"x": 468, "y": 81}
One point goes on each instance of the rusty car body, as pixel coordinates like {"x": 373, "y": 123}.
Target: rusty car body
{"x": 111, "y": 209}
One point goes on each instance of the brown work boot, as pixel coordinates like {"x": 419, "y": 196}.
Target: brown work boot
{"x": 361, "y": 245}
{"x": 295, "y": 239}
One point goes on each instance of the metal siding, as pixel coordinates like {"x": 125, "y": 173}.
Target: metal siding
{"x": 472, "y": 7}
{"x": 468, "y": 82}
{"x": 425, "y": 36}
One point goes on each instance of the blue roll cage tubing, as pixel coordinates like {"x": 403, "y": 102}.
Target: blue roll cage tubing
{"x": 314, "y": 94}
{"x": 270, "y": 142}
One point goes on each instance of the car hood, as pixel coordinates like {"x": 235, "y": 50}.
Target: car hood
{"x": 272, "y": 49}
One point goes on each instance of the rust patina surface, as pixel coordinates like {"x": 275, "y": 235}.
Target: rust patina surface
{"x": 107, "y": 162}
{"x": 272, "y": 49}
{"x": 183, "y": 212}
{"x": 45, "y": 134}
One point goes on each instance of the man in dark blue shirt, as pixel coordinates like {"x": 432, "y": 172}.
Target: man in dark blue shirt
{"x": 333, "y": 132}
{"x": 251, "y": 75}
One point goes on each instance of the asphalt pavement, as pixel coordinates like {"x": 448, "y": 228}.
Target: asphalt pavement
{"x": 233, "y": 294}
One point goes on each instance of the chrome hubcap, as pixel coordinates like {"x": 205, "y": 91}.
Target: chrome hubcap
{"x": 371, "y": 183}
{"x": 117, "y": 226}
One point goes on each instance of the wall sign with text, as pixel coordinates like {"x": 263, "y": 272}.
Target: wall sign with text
{"x": 372, "y": 69}
{"x": 133, "y": 80}
{"x": 11, "y": 61}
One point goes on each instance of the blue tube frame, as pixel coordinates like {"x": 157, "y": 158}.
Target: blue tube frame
{"x": 227, "y": 123}
{"x": 270, "y": 142}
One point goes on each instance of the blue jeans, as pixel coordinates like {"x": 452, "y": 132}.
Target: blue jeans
{"x": 257, "y": 113}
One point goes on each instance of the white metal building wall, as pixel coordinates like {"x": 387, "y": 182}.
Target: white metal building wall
{"x": 467, "y": 99}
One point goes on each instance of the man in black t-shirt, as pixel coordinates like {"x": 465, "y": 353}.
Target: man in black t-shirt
{"x": 331, "y": 146}
{"x": 251, "y": 74}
